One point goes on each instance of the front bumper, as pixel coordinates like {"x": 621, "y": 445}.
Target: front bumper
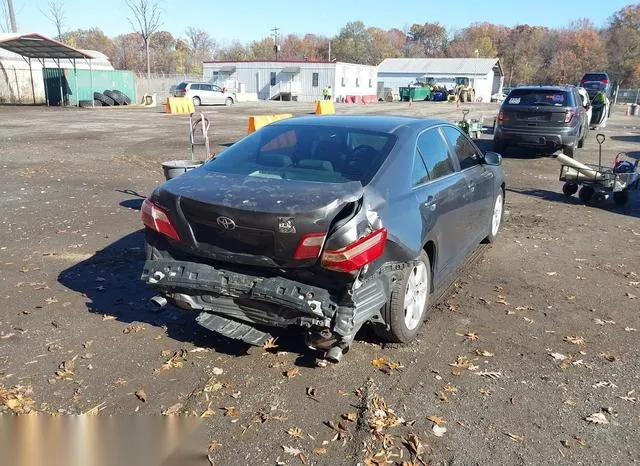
{"x": 272, "y": 302}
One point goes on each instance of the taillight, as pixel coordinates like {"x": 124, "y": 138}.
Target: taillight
{"x": 568, "y": 116}
{"x": 501, "y": 116}
{"x": 358, "y": 254}
{"x": 157, "y": 219}
{"x": 309, "y": 246}
{"x": 604, "y": 81}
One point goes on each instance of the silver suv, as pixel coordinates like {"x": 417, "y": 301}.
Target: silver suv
{"x": 204, "y": 94}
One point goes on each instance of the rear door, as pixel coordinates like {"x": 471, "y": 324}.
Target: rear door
{"x": 207, "y": 94}
{"x": 217, "y": 96}
{"x": 480, "y": 184}
{"x": 439, "y": 189}
{"x": 536, "y": 108}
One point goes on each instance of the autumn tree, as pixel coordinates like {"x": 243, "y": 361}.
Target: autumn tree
{"x": 128, "y": 52}
{"x": 623, "y": 45}
{"x": 233, "y": 52}
{"x": 352, "y": 44}
{"x": 146, "y": 21}
{"x": 91, "y": 39}
{"x": 429, "y": 38}
{"x": 201, "y": 47}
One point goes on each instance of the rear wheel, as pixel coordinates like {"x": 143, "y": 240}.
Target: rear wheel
{"x": 586, "y": 194}
{"x": 569, "y": 150}
{"x": 405, "y": 310}
{"x": 621, "y": 197}
{"x": 196, "y": 101}
{"x": 569, "y": 189}
{"x": 581, "y": 141}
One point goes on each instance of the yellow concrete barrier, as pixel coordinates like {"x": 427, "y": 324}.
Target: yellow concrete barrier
{"x": 325, "y": 107}
{"x": 179, "y": 105}
{"x": 258, "y": 121}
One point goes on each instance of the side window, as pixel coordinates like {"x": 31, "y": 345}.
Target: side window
{"x": 314, "y": 79}
{"x": 420, "y": 174}
{"x": 206, "y": 87}
{"x": 273, "y": 78}
{"x": 195, "y": 87}
{"x": 462, "y": 147}
{"x": 435, "y": 153}
{"x": 215, "y": 88}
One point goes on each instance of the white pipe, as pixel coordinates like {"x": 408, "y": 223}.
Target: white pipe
{"x": 582, "y": 171}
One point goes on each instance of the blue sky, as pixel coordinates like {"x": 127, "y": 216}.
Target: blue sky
{"x": 248, "y": 20}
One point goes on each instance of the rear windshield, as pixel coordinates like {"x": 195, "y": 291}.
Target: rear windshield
{"x": 594, "y": 77}
{"x": 181, "y": 86}
{"x": 538, "y": 97}
{"x": 307, "y": 153}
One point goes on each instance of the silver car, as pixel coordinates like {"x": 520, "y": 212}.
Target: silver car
{"x": 204, "y": 94}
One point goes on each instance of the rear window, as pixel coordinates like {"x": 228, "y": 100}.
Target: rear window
{"x": 181, "y": 86}
{"x": 538, "y": 97}
{"x": 323, "y": 154}
{"x": 595, "y": 77}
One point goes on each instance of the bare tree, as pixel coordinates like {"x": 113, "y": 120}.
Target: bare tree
{"x": 55, "y": 14}
{"x": 146, "y": 21}
{"x": 7, "y": 17}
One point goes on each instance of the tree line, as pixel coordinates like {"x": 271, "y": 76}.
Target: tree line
{"x": 529, "y": 54}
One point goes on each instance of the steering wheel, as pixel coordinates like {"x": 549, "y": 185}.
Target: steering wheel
{"x": 365, "y": 148}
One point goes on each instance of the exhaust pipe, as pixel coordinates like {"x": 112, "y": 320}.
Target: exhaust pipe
{"x": 158, "y": 302}
{"x": 334, "y": 354}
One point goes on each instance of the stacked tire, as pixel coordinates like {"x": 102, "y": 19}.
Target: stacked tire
{"x": 110, "y": 98}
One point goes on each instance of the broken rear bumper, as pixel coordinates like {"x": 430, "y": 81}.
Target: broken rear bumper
{"x": 246, "y": 301}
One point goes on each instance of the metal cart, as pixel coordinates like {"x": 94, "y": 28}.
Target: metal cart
{"x": 599, "y": 182}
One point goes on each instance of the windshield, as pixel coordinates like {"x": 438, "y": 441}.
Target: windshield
{"x": 594, "y": 77}
{"x": 537, "y": 97}
{"x": 181, "y": 86}
{"x": 329, "y": 154}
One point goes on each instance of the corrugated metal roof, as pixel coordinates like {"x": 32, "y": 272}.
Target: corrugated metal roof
{"x": 36, "y": 45}
{"x": 450, "y": 66}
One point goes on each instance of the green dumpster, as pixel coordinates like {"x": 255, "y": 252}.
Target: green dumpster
{"x": 415, "y": 93}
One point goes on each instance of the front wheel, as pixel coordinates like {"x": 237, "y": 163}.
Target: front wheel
{"x": 569, "y": 189}
{"x": 228, "y": 101}
{"x": 496, "y": 217}
{"x": 404, "y": 313}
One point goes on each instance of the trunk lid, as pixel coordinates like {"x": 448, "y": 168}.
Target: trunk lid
{"x": 253, "y": 221}
{"x": 537, "y": 107}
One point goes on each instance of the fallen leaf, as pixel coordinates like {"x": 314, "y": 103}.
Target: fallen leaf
{"x": 108, "y": 317}
{"x": 311, "y": 391}
{"x": 630, "y": 329}
{"x": 501, "y": 300}
{"x": 413, "y": 444}
{"x": 437, "y": 420}
{"x": 230, "y": 411}
{"x": 552, "y": 274}
{"x": 95, "y": 410}
{"x": 630, "y": 399}
{"x": 484, "y": 391}
{"x": 597, "y": 418}
{"x": 438, "y": 431}
{"x": 558, "y": 356}
{"x": 133, "y": 328}
{"x": 51, "y": 300}
{"x": 207, "y": 412}
{"x": 270, "y": 344}
{"x": 486, "y": 354}
{"x": 291, "y": 451}
{"x": 516, "y": 438}
{"x": 461, "y": 361}
{"x": 174, "y": 409}
{"x": 213, "y": 446}
{"x": 379, "y": 363}
{"x": 291, "y": 373}
{"x": 67, "y": 368}
{"x": 607, "y": 355}
{"x": 575, "y": 339}
{"x": 217, "y": 371}
{"x": 197, "y": 349}
{"x": 449, "y": 388}
{"x": 472, "y": 336}
{"x": 320, "y": 450}
{"x": 142, "y": 396}
{"x": 604, "y": 383}
{"x": 120, "y": 381}
{"x": 630, "y": 295}
{"x": 351, "y": 416}
{"x": 295, "y": 432}
{"x": 579, "y": 440}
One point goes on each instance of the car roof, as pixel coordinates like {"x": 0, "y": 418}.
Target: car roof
{"x": 379, "y": 123}
{"x": 545, "y": 88}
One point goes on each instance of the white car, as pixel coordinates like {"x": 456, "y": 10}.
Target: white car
{"x": 586, "y": 103}
{"x": 204, "y": 94}
{"x": 498, "y": 97}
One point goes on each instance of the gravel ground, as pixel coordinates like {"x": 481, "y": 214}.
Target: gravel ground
{"x": 537, "y": 335}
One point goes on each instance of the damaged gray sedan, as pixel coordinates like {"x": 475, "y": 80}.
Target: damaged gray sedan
{"x": 323, "y": 223}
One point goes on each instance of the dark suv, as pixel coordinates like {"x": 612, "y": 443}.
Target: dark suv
{"x": 596, "y": 81}
{"x": 543, "y": 117}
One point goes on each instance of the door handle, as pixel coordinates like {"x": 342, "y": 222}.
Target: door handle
{"x": 431, "y": 203}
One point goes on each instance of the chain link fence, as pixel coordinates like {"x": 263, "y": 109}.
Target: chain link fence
{"x": 628, "y": 96}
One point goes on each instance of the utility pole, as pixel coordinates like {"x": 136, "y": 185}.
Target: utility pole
{"x": 329, "y": 51}
{"x": 12, "y": 16}
{"x": 276, "y": 47}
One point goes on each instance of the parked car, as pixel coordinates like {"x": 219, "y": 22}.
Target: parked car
{"x": 204, "y": 94}
{"x": 596, "y": 81}
{"x": 543, "y": 117}
{"x": 324, "y": 223}
{"x": 498, "y": 97}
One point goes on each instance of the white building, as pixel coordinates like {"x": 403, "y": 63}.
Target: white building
{"x": 293, "y": 80}
{"x": 485, "y": 74}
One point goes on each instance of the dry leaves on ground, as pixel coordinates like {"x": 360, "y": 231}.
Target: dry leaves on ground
{"x": 385, "y": 366}
{"x": 171, "y": 410}
{"x": 141, "y": 395}
{"x": 489, "y": 374}
{"x": 351, "y": 417}
{"x": 230, "y": 411}
{"x": 575, "y": 339}
{"x": 66, "y": 368}
{"x": 108, "y": 317}
{"x": 295, "y": 432}
{"x": 437, "y": 420}
{"x": 270, "y": 344}
{"x": 413, "y": 444}
{"x": 177, "y": 359}
{"x": 486, "y": 354}
{"x": 17, "y": 399}
{"x": 133, "y": 328}
{"x": 597, "y": 418}
{"x": 291, "y": 373}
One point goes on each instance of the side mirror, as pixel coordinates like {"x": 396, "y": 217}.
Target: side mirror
{"x": 492, "y": 158}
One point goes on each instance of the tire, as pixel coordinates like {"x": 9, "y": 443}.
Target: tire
{"x": 569, "y": 150}
{"x": 569, "y": 189}
{"x": 228, "y": 101}
{"x": 116, "y": 98}
{"x": 402, "y": 328}
{"x": 497, "y": 215}
{"x": 621, "y": 197}
{"x": 586, "y": 194}
{"x": 122, "y": 96}
{"x": 196, "y": 101}
{"x": 90, "y": 103}
{"x": 581, "y": 141}
{"x": 104, "y": 99}
{"x": 500, "y": 147}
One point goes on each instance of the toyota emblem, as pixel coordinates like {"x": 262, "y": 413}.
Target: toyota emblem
{"x": 226, "y": 223}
